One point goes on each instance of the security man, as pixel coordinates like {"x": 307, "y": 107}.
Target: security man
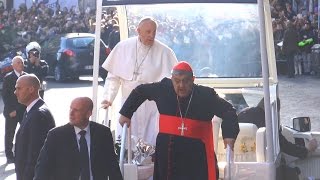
{"x": 35, "y": 65}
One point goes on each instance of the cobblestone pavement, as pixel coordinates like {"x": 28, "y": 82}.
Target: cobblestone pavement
{"x": 300, "y": 96}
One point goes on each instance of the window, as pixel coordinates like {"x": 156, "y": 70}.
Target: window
{"x": 219, "y": 40}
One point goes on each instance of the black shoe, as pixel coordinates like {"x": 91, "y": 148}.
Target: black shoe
{"x": 10, "y": 160}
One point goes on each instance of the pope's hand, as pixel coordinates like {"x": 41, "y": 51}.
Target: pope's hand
{"x": 105, "y": 104}
{"x": 230, "y": 142}
{"x": 123, "y": 120}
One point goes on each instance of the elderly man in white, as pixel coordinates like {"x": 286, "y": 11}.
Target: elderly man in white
{"x": 132, "y": 62}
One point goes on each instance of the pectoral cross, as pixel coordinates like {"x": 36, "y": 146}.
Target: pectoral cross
{"x": 182, "y": 128}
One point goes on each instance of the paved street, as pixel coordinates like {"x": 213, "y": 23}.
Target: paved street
{"x": 299, "y": 97}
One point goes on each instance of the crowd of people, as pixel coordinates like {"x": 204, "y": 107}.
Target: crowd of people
{"x": 207, "y": 40}
{"x": 304, "y": 22}
{"x": 43, "y": 21}
{"x": 20, "y": 26}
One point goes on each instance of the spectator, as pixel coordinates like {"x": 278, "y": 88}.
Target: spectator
{"x": 290, "y": 47}
{"x": 289, "y": 13}
{"x": 106, "y": 29}
{"x": 307, "y": 35}
{"x": 114, "y": 36}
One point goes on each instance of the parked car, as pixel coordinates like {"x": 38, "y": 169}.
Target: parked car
{"x": 71, "y": 55}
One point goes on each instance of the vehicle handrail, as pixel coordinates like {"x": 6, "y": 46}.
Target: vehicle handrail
{"x": 123, "y": 147}
{"x": 230, "y": 161}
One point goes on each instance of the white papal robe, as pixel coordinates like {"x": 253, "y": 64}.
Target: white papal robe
{"x": 130, "y": 64}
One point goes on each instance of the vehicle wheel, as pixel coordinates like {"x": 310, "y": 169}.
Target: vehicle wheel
{"x": 58, "y": 74}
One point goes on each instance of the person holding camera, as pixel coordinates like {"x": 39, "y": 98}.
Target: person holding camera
{"x": 34, "y": 65}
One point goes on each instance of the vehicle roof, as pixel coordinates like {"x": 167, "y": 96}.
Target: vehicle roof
{"x": 128, "y": 2}
{"x": 73, "y": 35}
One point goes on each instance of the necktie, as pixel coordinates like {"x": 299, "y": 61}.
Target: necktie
{"x": 24, "y": 118}
{"x": 84, "y": 157}
{"x": 25, "y": 114}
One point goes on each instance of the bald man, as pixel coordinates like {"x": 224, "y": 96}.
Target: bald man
{"x": 36, "y": 123}
{"x": 13, "y": 110}
{"x": 132, "y": 62}
{"x": 87, "y": 153}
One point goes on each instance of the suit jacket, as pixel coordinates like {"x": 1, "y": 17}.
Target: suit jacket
{"x": 256, "y": 116}
{"x": 9, "y": 98}
{"x": 253, "y": 115}
{"x": 59, "y": 157}
{"x": 30, "y": 139}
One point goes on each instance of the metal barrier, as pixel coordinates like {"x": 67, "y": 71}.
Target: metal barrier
{"x": 129, "y": 170}
{"x": 123, "y": 148}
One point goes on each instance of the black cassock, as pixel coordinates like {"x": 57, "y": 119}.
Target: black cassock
{"x": 178, "y": 157}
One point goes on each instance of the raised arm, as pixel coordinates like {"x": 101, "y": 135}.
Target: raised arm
{"x": 136, "y": 98}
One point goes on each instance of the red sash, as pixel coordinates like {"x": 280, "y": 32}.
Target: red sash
{"x": 193, "y": 129}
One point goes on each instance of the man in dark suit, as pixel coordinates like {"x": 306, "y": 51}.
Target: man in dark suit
{"x": 256, "y": 116}
{"x": 62, "y": 156}
{"x": 13, "y": 110}
{"x": 36, "y": 123}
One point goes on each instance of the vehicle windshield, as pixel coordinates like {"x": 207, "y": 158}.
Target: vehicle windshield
{"x": 81, "y": 42}
{"x": 219, "y": 40}
{"x": 242, "y": 97}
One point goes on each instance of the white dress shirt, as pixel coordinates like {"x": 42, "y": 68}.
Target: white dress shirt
{"x": 31, "y": 104}
{"x": 17, "y": 73}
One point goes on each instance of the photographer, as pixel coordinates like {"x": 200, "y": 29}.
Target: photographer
{"x": 35, "y": 65}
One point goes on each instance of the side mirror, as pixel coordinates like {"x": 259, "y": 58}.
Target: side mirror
{"x": 301, "y": 124}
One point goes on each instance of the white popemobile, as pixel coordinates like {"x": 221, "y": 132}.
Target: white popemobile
{"x": 229, "y": 43}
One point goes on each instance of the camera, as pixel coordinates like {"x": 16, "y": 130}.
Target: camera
{"x": 35, "y": 53}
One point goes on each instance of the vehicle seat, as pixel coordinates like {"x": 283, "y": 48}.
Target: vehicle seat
{"x": 261, "y": 144}
{"x": 245, "y": 145}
